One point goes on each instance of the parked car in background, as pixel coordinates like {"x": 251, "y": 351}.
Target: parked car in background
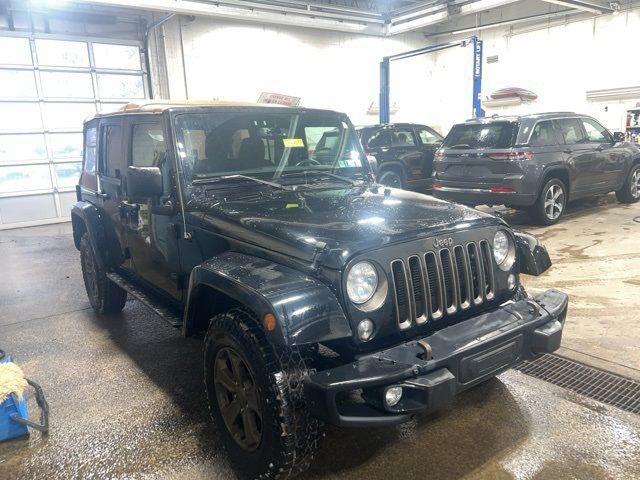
{"x": 535, "y": 162}
{"x": 404, "y": 152}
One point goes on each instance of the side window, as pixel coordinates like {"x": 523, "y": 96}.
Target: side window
{"x": 427, "y": 137}
{"x": 90, "y": 142}
{"x": 111, "y": 150}
{"x": 147, "y": 145}
{"x": 382, "y": 138}
{"x": 596, "y": 133}
{"x": 571, "y": 131}
{"x": 402, "y": 137}
{"x": 543, "y": 135}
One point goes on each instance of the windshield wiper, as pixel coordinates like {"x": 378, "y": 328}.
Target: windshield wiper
{"x": 461, "y": 145}
{"x": 322, "y": 172}
{"x": 200, "y": 181}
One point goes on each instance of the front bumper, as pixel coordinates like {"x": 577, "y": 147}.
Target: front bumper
{"x": 462, "y": 356}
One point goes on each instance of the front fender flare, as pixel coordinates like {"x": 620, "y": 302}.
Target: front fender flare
{"x": 532, "y": 255}
{"x": 307, "y": 311}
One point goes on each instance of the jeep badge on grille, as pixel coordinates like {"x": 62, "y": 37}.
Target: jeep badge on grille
{"x": 442, "y": 242}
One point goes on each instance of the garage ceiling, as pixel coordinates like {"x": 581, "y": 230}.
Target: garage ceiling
{"x": 375, "y": 17}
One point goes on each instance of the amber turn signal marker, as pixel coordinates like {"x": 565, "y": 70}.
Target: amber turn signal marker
{"x": 269, "y": 322}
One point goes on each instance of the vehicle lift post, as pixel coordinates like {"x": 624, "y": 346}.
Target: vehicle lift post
{"x": 385, "y": 107}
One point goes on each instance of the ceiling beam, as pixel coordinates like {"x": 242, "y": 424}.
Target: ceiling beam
{"x": 305, "y": 15}
{"x": 583, "y": 5}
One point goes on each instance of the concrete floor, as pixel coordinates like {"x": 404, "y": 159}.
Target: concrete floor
{"x": 595, "y": 250}
{"x": 127, "y": 398}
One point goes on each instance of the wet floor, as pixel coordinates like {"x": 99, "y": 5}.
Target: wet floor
{"x": 595, "y": 250}
{"x": 127, "y": 399}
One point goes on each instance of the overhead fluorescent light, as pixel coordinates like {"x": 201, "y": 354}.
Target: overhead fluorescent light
{"x": 502, "y": 23}
{"x": 581, "y": 5}
{"x": 417, "y": 23}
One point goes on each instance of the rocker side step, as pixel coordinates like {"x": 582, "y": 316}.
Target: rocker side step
{"x": 147, "y": 299}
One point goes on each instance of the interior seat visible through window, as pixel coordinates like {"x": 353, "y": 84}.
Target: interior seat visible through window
{"x": 251, "y": 153}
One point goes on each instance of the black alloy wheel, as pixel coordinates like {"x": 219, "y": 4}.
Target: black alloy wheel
{"x": 238, "y": 400}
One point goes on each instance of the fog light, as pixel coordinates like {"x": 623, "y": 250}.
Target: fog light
{"x": 392, "y": 396}
{"x": 365, "y": 329}
{"x": 511, "y": 281}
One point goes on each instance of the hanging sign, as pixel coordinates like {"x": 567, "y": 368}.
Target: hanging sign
{"x": 279, "y": 99}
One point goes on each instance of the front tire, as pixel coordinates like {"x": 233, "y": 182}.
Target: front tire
{"x": 391, "y": 178}
{"x": 630, "y": 192}
{"x": 105, "y": 296}
{"x": 256, "y": 398}
{"x": 551, "y": 202}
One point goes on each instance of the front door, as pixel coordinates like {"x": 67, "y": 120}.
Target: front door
{"x": 111, "y": 165}
{"x": 579, "y": 154}
{"x": 152, "y": 238}
{"x": 609, "y": 160}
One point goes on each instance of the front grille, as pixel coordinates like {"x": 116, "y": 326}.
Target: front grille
{"x": 435, "y": 284}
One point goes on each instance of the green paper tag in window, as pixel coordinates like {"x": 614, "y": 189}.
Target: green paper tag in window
{"x": 293, "y": 142}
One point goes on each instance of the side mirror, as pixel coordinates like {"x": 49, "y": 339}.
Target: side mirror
{"x": 618, "y": 137}
{"x": 373, "y": 163}
{"x": 144, "y": 182}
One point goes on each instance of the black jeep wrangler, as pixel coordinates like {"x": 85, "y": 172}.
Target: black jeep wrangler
{"x": 323, "y": 297}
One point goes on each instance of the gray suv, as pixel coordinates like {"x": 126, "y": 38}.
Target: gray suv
{"x": 535, "y": 162}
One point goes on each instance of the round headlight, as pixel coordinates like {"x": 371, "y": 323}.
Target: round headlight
{"x": 503, "y": 250}
{"x": 362, "y": 282}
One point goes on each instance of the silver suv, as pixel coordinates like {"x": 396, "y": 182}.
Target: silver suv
{"x": 535, "y": 162}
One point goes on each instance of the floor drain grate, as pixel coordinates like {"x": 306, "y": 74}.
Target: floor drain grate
{"x": 591, "y": 382}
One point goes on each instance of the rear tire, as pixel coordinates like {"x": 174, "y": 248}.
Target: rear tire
{"x": 551, "y": 202}
{"x": 105, "y": 296}
{"x": 630, "y": 191}
{"x": 391, "y": 178}
{"x": 268, "y": 431}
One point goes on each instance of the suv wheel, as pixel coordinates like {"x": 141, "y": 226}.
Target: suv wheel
{"x": 256, "y": 397}
{"x": 551, "y": 203}
{"x": 104, "y": 295}
{"x": 630, "y": 191}
{"x": 391, "y": 178}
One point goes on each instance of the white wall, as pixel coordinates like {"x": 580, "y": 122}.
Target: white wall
{"x": 237, "y": 61}
{"x": 561, "y": 63}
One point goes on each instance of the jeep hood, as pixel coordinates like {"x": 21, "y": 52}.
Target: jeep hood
{"x": 330, "y": 224}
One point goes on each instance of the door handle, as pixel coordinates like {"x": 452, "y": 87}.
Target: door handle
{"x": 568, "y": 150}
{"x": 102, "y": 195}
{"x": 600, "y": 148}
{"x": 128, "y": 209}
{"x": 129, "y": 206}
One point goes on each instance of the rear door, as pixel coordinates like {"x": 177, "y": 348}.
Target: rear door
{"x": 429, "y": 141}
{"x": 547, "y": 143}
{"x": 405, "y": 148}
{"x": 472, "y": 155}
{"x": 609, "y": 161}
{"x": 579, "y": 154}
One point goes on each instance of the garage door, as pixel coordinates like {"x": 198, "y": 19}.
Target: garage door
{"x": 49, "y": 86}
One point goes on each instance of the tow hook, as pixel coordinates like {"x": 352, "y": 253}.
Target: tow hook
{"x": 428, "y": 351}
{"x": 535, "y": 308}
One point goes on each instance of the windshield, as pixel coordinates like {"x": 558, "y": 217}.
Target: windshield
{"x": 483, "y": 135}
{"x": 268, "y": 146}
